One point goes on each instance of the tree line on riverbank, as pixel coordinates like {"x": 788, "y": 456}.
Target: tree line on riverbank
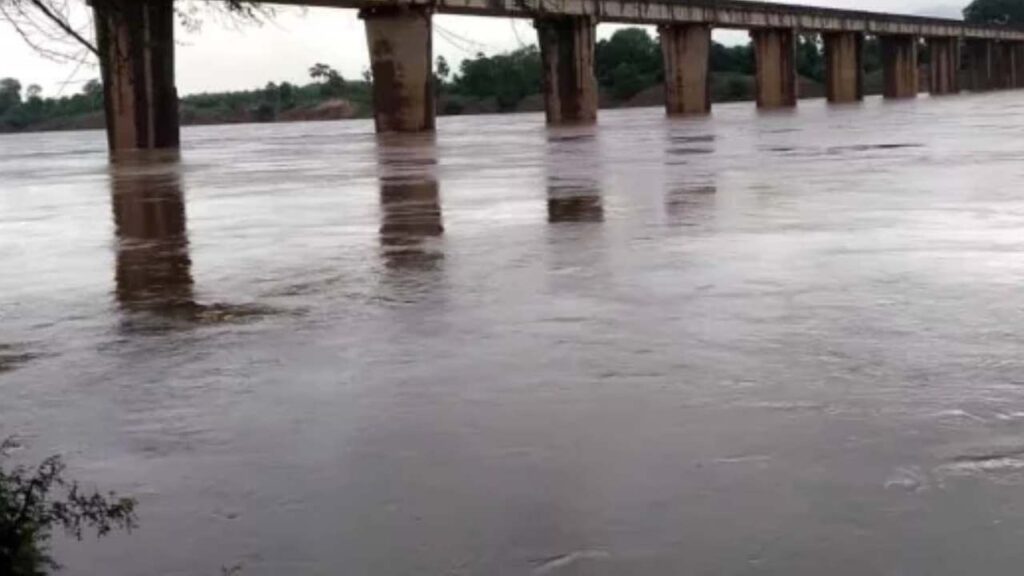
{"x": 628, "y": 68}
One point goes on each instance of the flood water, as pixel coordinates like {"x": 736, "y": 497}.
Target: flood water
{"x": 781, "y": 343}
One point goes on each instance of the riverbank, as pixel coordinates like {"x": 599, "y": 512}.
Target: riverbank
{"x": 266, "y": 107}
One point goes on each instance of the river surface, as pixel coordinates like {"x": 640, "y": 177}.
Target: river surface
{"x": 786, "y": 343}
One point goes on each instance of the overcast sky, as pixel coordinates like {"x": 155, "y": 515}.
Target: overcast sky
{"x": 219, "y": 58}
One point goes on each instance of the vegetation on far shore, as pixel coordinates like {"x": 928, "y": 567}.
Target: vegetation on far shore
{"x": 628, "y": 68}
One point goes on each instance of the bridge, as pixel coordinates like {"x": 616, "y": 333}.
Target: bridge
{"x": 136, "y": 43}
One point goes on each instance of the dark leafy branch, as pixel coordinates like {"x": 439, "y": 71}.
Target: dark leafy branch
{"x": 63, "y": 29}
{"x": 35, "y": 501}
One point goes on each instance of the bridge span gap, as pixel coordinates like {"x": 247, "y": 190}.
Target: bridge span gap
{"x": 136, "y": 42}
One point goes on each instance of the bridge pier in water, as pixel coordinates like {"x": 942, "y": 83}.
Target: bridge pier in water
{"x": 844, "y": 66}
{"x": 775, "y": 56}
{"x": 1018, "y": 64}
{"x": 399, "y": 39}
{"x": 135, "y": 40}
{"x": 899, "y": 62}
{"x": 981, "y": 64}
{"x": 567, "y": 68}
{"x": 1014, "y": 64}
{"x": 1006, "y": 66}
{"x": 944, "y": 66}
{"x": 999, "y": 69}
{"x": 686, "y": 52}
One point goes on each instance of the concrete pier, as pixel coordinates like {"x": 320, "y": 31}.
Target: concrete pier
{"x": 401, "y": 59}
{"x": 567, "y": 67}
{"x": 775, "y": 52}
{"x": 944, "y": 66}
{"x": 686, "y": 51}
{"x": 899, "y": 61}
{"x": 1005, "y": 65}
{"x": 1018, "y": 62}
{"x": 844, "y": 66}
{"x": 135, "y": 39}
{"x": 981, "y": 65}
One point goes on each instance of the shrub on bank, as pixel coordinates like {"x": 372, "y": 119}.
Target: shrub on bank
{"x": 35, "y": 501}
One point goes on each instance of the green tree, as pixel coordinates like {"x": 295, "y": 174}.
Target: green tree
{"x": 34, "y": 92}
{"x": 995, "y": 12}
{"x": 286, "y": 94}
{"x": 507, "y": 78}
{"x": 33, "y": 502}
{"x": 872, "y": 54}
{"x": 92, "y": 92}
{"x": 269, "y": 104}
{"x": 443, "y": 70}
{"x": 53, "y": 27}
{"x": 93, "y": 88}
{"x": 628, "y": 62}
{"x": 735, "y": 59}
{"x": 810, "y": 58}
{"x": 626, "y": 81}
{"x": 10, "y": 94}
{"x": 332, "y": 84}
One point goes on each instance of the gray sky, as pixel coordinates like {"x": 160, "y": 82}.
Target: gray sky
{"x": 218, "y": 58}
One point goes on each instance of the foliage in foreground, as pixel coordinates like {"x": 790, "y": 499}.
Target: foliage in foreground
{"x": 35, "y": 501}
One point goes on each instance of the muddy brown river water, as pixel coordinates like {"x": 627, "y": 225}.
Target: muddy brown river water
{"x": 784, "y": 343}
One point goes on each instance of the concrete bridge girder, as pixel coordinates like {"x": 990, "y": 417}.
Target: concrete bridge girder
{"x": 723, "y": 14}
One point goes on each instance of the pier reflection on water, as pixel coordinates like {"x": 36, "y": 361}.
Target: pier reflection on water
{"x": 154, "y": 269}
{"x": 574, "y": 190}
{"x": 411, "y": 220}
{"x": 153, "y": 273}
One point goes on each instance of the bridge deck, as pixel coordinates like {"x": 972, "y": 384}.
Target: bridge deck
{"x": 718, "y": 13}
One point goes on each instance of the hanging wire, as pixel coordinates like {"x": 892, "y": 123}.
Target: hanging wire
{"x": 515, "y": 31}
{"x": 461, "y": 43}
{"x": 69, "y": 80}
